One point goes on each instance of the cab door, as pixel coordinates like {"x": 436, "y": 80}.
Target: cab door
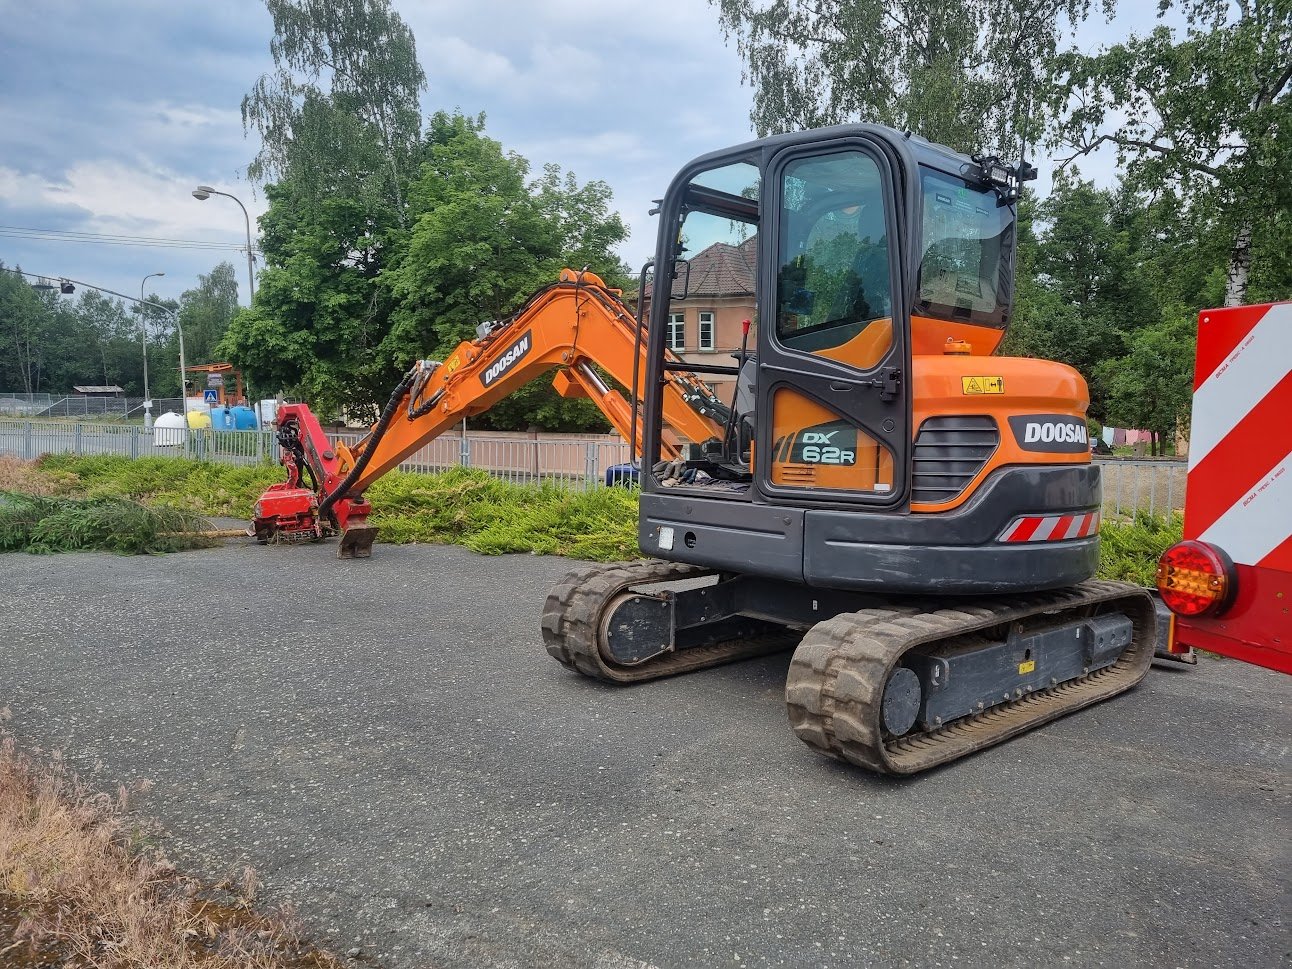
{"x": 834, "y": 355}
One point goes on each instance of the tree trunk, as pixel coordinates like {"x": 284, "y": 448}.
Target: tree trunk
{"x": 1240, "y": 263}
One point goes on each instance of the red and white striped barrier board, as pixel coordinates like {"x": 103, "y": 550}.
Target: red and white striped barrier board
{"x": 1239, "y": 493}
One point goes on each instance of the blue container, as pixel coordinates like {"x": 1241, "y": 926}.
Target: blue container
{"x": 244, "y": 418}
{"x": 221, "y": 419}
{"x": 624, "y": 475}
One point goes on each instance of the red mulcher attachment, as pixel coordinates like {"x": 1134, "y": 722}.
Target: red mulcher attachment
{"x": 286, "y": 513}
{"x": 292, "y": 512}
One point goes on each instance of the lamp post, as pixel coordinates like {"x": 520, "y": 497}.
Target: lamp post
{"x": 183, "y": 373}
{"x": 143, "y": 339}
{"x": 204, "y": 192}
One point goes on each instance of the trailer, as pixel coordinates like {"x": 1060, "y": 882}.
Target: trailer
{"x": 1228, "y": 584}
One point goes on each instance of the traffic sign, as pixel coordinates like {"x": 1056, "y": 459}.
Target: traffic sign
{"x": 211, "y": 396}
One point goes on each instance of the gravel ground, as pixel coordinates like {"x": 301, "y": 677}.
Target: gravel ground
{"x": 388, "y": 745}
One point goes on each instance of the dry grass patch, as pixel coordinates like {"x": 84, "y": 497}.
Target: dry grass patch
{"x": 79, "y": 889}
{"x": 27, "y": 477}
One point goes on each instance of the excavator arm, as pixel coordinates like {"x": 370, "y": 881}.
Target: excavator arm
{"x": 577, "y": 326}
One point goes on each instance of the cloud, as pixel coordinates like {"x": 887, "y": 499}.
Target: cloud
{"x": 474, "y": 67}
{"x": 117, "y": 198}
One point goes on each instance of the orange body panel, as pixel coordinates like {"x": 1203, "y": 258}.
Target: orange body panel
{"x": 865, "y": 349}
{"x": 1028, "y": 387}
{"x": 930, "y": 336}
{"x": 945, "y": 381}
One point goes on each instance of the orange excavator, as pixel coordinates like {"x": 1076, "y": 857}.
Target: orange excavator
{"x": 916, "y": 516}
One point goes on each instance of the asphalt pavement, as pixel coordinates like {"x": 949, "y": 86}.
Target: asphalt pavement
{"x": 389, "y": 746}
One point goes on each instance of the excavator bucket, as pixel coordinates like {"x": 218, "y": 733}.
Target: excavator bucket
{"x": 356, "y": 542}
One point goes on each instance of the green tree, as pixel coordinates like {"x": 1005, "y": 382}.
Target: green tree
{"x": 206, "y": 310}
{"x": 339, "y": 122}
{"x": 1204, "y": 115}
{"x": 485, "y": 238}
{"x": 1150, "y": 387}
{"x": 968, "y": 73}
{"x": 341, "y": 311}
{"x": 24, "y": 324}
{"x": 319, "y": 314}
{"x": 1084, "y": 279}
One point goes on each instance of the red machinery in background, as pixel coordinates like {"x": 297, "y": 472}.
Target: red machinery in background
{"x": 1229, "y": 583}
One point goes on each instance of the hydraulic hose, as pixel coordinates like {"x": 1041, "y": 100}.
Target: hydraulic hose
{"x": 374, "y": 438}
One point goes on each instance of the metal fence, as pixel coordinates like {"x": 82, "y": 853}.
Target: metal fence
{"x": 579, "y": 463}
{"x": 1152, "y": 487}
{"x": 1130, "y": 486}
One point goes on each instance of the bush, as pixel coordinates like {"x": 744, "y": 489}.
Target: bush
{"x": 201, "y": 487}
{"x": 469, "y": 507}
{"x": 1129, "y": 551}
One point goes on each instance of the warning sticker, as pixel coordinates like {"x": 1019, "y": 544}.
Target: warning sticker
{"x": 1026, "y": 667}
{"x": 982, "y": 385}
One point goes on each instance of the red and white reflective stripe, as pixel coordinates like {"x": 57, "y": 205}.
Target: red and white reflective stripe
{"x": 1050, "y": 528}
{"x": 1239, "y": 495}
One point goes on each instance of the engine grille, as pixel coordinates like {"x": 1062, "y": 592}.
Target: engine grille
{"x": 949, "y": 452}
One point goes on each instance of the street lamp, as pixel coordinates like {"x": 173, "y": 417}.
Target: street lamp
{"x": 143, "y": 339}
{"x": 204, "y": 192}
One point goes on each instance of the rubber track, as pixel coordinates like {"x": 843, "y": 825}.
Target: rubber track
{"x": 572, "y": 623}
{"x": 837, "y": 676}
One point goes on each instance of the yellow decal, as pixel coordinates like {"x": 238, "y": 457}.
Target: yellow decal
{"x": 1027, "y": 667}
{"x": 982, "y": 385}
{"x": 452, "y": 365}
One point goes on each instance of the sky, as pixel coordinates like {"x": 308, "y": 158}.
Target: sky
{"x": 113, "y": 113}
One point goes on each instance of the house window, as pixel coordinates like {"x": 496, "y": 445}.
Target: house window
{"x": 706, "y": 331}
{"x": 677, "y": 331}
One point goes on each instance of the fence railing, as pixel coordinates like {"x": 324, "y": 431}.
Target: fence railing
{"x": 1155, "y": 487}
{"x": 1130, "y": 486}
{"x": 571, "y": 462}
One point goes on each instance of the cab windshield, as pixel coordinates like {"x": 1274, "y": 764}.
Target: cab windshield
{"x": 967, "y": 252}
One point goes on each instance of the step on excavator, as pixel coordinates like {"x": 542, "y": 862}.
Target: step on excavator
{"x": 916, "y": 516}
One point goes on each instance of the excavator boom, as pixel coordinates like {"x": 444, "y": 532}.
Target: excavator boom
{"x": 577, "y": 326}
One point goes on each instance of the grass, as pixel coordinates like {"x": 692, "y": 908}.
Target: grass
{"x": 471, "y": 508}
{"x": 462, "y": 506}
{"x": 77, "y": 889}
{"x": 202, "y": 487}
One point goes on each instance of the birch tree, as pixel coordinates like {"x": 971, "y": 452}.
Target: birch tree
{"x": 967, "y": 73}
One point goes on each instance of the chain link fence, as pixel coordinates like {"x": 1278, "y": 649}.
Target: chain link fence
{"x": 42, "y": 406}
